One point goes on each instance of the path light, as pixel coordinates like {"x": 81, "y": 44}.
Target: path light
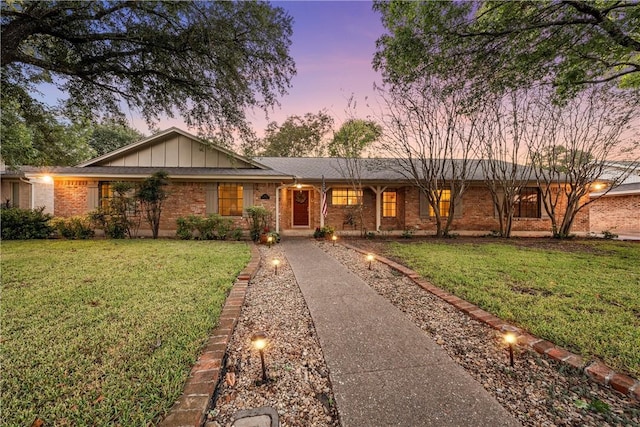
{"x": 334, "y": 238}
{"x": 269, "y": 240}
{"x": 259, "y": 341}
{"x": 510, "y": 338}
{"x": 370, "y": 258}
{"x": 276, "y": 262}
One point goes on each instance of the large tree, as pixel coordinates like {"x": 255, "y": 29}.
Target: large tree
{"x": 207, "y": 61}
{"x": 512, "y": 43}
{"x": 295, "y": 137}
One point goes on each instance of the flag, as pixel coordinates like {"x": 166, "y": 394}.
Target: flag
{"x": 324, "y": 198}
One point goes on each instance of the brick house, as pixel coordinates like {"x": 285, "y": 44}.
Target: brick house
{"x": 207, "y": 179}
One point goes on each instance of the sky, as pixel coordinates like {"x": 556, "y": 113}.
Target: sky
{"x": 333, "y": 43}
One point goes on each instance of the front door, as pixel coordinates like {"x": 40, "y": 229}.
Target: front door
{"x": 300, "y": 208}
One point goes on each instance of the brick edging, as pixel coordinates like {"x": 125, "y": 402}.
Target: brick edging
{"x": 190, "y": 409}
{"x": 597, "y": 371}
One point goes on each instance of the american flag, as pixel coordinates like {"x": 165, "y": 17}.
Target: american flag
{"x": 324, "y": 198}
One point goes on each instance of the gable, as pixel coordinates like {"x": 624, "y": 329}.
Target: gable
{"x": 172, "y": 148}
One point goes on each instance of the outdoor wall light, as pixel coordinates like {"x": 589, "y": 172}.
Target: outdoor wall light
{"x": 259, "y": 341}
{"x": 276, "y": 262}
{"x": 510, "y": 338}
{"x": 370, "y": 258}
{"x": 334, "y": 238}
{"x": 298, "y": 186}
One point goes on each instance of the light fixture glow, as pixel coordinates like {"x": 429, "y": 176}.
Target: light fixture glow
{"x": 334, "y": 238}
{"x": 275, "y": 263}
{"x": 259, "y": 341}
{"x": 510, "y": 338}
{"x": 370, "y": 258}
{"x": 47, "y": 179}
{"x": 298, "y": 186}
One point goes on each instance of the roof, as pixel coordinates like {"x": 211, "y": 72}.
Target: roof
{"x": 620, "y": 190}
{"x": 332, "y": 168}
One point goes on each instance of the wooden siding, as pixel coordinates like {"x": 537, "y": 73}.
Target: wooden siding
{"x": 176, "y": 151}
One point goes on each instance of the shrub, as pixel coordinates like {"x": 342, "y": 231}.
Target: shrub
{"x": 113, "y": 226}
{"x": 325, "y": 231}
{"x": 609, "y": 235}
{"x": 236, "y": 234}
{"x": 259, "y": 218}
{"x": 212, "y": 227}
{"x": 75, "y": 227}
{"x": 23, "y": 224}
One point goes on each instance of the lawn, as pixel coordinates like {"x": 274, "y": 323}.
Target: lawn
{"x": 584, "y": 296}
{"x": 104, "y": 332}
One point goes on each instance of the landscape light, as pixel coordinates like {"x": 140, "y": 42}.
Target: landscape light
{"x": 370, "y": 258}
{"x": 276, "y": 262}
{"x": 510, "y": 338}
{"x": 259, "y": 341}
{"x": 334, "y": 238}
{"x": 269, "y": 240}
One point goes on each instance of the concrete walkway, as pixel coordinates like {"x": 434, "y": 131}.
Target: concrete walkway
{"x": 384, "y": 370}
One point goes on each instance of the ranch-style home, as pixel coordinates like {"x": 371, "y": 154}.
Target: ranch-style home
{"x": 205, "y": 179}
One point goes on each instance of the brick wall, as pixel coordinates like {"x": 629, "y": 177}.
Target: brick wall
{"x": 70, "y": 197}
{"x": 618, "y": 214}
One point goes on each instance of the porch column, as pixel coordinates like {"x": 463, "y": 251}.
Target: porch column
{"x": 278, "y": 207}
{"x": 378, "y": 190}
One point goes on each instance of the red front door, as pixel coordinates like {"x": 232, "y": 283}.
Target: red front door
{"x": 300, "y": 208}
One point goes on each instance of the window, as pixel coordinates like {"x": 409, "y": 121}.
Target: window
{"x": 105, "y": 194}
{"x": 346, "y": 197}
{"x": 389, "y": 199}
{"x": 527, "y": 203}
{"x": 15, "y": 194}
{"x": 230, "y": 199}
{"x": 445, "y": 202}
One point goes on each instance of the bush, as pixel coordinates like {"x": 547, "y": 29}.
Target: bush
{"x": 212, "y": 227}
{"x": 325, "y": 231}
{"x": 113, "y": 226}
{"x": 23, "y": 224}
{"x": 75, "y": 227}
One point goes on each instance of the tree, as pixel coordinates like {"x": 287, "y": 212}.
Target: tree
{"x": 152, "y": 194}
{"x": 431, "y": 130}
{"x": 502, "y": 146}
{"x": 512, "y": 44}
{"x": 208, "y": 61}
{"x": 349, "y": 142}
{"x": 296, "y": 137}
{"x": 34, "y": 135}
{"x": 111, "y": 135}
{"x": 571, "y": 144}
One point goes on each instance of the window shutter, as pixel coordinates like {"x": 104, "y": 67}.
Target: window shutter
{"x": 424, "y": 205}
{"x": 93, "y": 201}
{"x": 211, "y": 198}
{"x": 247, "y": 196}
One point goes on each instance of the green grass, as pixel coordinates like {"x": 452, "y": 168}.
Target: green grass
{"x": 586, "y": 300}
{"x": 105, "y": 332}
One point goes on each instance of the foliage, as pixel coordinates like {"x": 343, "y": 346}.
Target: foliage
{"x": 501, "y": 44}
{"x": 152, "y": 193}
{"x": 209, "y": 61}
{"x": 408, "y": 233}
{"x": 111, "y": 135}
{"x": 322, "y": 232}
{"x": 211, "y": 227}
{"x": 88, "y": 342}
{"x": 22, "y": 224}
{"x": 296, "y": 137}
{"x": 34, "y": 135}
{"x": 75, "y": 227}
{"x": 609, "y": 235}
{"x": 353, "y": 137}
{"x": 581, "y": 295}
{"x": 112, "y": 225}
{"x": 259, "y": 218}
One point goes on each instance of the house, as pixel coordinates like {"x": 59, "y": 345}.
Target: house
{"x": 207, "y": 179}
{"x": 618, "y": 210}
